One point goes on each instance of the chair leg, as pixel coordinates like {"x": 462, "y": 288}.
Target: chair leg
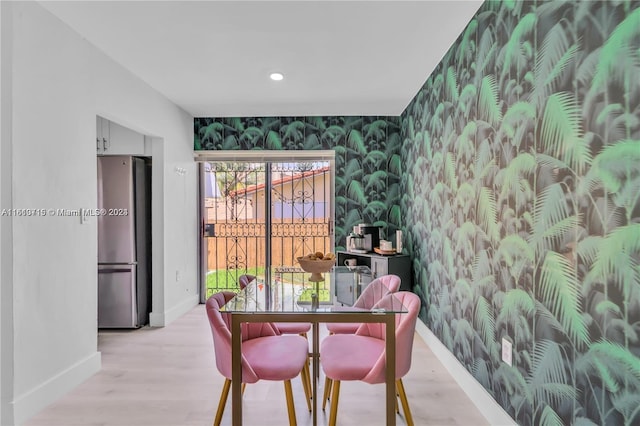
{"x": 335, "y": 393}
{"x": 290, "y": 407}
{"x": 307, "y": 383}
{"x": 223, "y": 401}
{"x": 327, "y": 392}
{"x": 327, "y": 387}
{"x": 306, "y": 386}
{"x": 405, "y": 403}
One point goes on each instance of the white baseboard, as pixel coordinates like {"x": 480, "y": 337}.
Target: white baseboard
{"x": 167, "y": 317}
{"x": 31, "y": 402}
{"x": 485, "y": 403}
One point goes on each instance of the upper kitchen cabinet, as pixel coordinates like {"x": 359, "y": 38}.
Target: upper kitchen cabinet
{"x": 113, "y": 139}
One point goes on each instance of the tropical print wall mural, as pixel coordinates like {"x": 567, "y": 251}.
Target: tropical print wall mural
{"x": 367, "y": 177}
{"x": 522, "y": 203}
{"x": 515, "y": 176}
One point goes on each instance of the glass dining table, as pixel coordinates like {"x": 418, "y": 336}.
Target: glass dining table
{"x": 281, "y": 301}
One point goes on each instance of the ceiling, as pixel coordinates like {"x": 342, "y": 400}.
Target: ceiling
{"x": 213, "y": 58}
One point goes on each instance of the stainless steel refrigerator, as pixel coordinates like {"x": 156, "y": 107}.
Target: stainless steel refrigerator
{"x": 124, "y": 241}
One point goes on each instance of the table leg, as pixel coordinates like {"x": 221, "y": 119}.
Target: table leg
{"x": 316, "y": 369}
{"x": 390, "y": 371}
{"x": 236, "y": 371}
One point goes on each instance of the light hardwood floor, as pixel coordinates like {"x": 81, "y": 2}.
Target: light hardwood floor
{"x": 167, "y": 377}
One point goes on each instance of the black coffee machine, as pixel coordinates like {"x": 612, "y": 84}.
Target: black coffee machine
{"x": 371, "y": 235}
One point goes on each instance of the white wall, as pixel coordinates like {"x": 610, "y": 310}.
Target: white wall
{"x": 59, "y": 84}
{"x": 5, "y": 135}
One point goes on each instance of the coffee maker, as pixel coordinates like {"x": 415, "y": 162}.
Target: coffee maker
{"x": 371, "y": 235}
{"x": 355, "y": 241}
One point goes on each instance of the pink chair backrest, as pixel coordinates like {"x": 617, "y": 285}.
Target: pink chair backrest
{"x": 376, "y": 290}
{"x": 244, "y": 280}
{"x": 405, "y": 330}
{"x": 221, "y": 331}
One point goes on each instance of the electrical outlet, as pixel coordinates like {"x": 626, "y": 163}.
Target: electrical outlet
{"x": 506, "y": 351}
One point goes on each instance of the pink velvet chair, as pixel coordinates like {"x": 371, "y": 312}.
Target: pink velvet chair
{"x": 244, "y": 280}
{"x": 372, "y": 293}
{"x": 300, "y": 328}
{"x": 265, "y": 354}
{"x": 361, "y": 356}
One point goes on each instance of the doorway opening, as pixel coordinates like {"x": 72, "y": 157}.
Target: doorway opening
{"x": 124, "y": 226}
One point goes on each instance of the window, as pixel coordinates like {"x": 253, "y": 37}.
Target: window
{"x": 259, "y": 215}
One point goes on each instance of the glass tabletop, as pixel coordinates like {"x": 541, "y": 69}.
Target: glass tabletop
{"x": 337, "y": 292}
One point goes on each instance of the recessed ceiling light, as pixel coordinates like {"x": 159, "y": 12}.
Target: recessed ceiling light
{"x": 276, "y": 76}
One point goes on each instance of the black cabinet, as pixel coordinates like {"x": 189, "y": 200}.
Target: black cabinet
{"x": 349, "y": 283}
{"x": 397, "y": 264}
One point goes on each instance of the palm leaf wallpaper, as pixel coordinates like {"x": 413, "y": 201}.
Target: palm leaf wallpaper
{"x": 521, "y": 198}
{"x": 367, "y": 149}
{"x": 515, "y": 176}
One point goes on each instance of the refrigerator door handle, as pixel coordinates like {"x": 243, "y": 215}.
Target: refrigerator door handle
{"x": 113, "y": 270}
{"x": 117, "y": 263}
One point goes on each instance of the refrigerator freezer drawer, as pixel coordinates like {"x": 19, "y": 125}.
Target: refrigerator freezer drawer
{"x": 117, "y": 297}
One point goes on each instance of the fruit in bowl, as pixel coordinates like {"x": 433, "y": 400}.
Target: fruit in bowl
{"x": 317, "y": 263}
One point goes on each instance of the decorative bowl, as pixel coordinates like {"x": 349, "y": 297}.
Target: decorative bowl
{"x": 316, "y": 267}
